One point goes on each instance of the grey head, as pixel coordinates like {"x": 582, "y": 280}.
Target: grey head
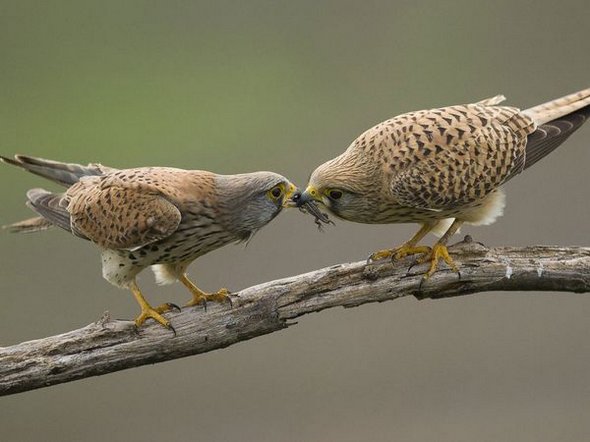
{"x": 249, "y": 201}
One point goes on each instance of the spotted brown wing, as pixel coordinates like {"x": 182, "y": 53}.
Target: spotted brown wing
{"x": 464, "y": 155}
{"x": 120, "y": 217}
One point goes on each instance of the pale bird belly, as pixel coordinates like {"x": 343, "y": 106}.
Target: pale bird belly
{"x": 120, "y": 267}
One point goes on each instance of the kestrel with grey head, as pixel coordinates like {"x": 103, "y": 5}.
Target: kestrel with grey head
{"x": 441, "y": 167}
{"x": 157, "y": 217}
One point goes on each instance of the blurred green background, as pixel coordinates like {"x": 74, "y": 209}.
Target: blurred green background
{"x": 235, "y": 86}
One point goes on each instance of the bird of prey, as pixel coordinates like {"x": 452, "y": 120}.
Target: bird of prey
{"x": 153, "y": 216}
{"x": 441, "y": 167}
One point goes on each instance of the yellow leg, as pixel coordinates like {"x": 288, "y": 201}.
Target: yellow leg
{"x": 440, "y": 251}
{"x": 200, "y": 297}
{"x": 406, "y": 249}
{"x": 147, "y": 311}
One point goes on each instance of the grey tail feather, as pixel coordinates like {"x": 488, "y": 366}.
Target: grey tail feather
{"x": 65, "y": 174}
{"x": 552, "y": 134}
{"x": 50, "y": 206}
{"x": 30, "y": 225}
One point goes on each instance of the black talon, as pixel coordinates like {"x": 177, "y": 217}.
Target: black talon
{"x": 173, "y": 329}
{"x": 422, "y": 281}
{"x": 371, "y": 260}
{"x": 414, "y": 264}
{"x": 173, "y": 306}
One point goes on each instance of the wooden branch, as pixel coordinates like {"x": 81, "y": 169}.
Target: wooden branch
{"x": 110, "y": 345}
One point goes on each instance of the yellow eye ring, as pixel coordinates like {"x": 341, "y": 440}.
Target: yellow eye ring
{"x": 276, "y": 192}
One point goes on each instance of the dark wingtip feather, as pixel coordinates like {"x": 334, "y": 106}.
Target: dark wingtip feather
{"x": 551, "y": 135}
{"x": 10, "y": 161}
{"x": 30, "y": 225}
{"x": 49, "y": 206}
{"x": 65, "y": 174}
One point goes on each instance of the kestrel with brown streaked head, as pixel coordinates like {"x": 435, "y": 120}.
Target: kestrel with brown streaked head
{"x": 153, "y": 216}
{"x": 441, "y": 167}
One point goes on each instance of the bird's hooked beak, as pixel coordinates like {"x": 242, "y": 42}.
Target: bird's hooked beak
{"x": 306, "y": 202}
{"x": 289, "y": 195}
{"x": 309, "y": 196}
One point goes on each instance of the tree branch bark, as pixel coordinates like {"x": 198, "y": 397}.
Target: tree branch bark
{"x": 110, "y": 345}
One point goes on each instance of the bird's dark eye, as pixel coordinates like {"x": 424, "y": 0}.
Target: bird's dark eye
{"x": 335, "y": 194}
{"x": 276, "y": 192}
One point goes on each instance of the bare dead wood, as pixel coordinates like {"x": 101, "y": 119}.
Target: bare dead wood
{"x": 110, "y": 345}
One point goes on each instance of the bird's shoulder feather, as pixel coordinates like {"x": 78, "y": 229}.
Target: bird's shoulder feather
{"x": 443, "y": 158}
{"x": 134, "y": 207}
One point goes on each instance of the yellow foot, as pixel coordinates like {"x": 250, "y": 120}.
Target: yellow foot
{"x": 438, "y": 251}
{"x": 156, "y": 314}
{"x": 199, "y": 297}
{"x": 407, "y": 250}
{"x": 380, "y": 254}
{"x": 398, "y": 253}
